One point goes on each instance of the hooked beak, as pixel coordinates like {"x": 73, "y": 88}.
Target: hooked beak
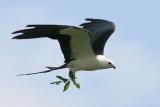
{"x": 113, "y": 66}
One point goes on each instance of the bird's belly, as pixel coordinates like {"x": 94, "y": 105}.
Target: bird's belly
{"x": 87, "y": 65}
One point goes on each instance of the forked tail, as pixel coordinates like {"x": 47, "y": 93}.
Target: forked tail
{"x": 50, "y": 69}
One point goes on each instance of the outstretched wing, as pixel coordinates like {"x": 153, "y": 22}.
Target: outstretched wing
{"x": 75, "y": 42}
{"x": 100, "y": 30}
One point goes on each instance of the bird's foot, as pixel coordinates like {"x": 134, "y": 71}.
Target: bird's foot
{"x": 73, "y": 79}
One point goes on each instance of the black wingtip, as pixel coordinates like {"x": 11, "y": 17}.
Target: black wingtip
{"x": 18, "y": 31}
{"x": 88, "y": 19}
{"x": 14, "y": 32}
{"x": 98, "y": 20}
{"x": 30, "y": 26}
{"x": 92, "y": 19}
{"x": 14, "y": 38}
{"x": 17, "y": 37}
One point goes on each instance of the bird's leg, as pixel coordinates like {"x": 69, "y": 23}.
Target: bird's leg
{"x": 73, "y": 79}
{"x": 72, "y": 75}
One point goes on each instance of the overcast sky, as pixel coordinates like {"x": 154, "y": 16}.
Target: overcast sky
{"x": 134, "y": 48}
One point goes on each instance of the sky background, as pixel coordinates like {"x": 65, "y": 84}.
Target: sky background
{"x": 134, "y": 48}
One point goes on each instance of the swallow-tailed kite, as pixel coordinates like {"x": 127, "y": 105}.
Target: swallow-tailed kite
{"x": 82, "y": 47}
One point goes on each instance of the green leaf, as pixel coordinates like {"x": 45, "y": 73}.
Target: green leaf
{"x": 56, "y": 82}
{"x": 78, "y": 85}
{"x": 62, "y": 78}
{"x": 66, "y": 86}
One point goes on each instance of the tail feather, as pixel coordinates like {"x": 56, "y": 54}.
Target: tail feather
{"x": 50, "y": 69}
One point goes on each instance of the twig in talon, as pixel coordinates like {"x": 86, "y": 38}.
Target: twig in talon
{"x": 73, "y": 79}
{"x": 66, "y": 86}
{"x": 56, "y": 82}
{"x": 62, "y": 78}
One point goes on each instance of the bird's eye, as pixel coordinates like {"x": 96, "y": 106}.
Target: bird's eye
{"x": 109, "y": 63}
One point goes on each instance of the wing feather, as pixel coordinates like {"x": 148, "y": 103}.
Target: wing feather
{"x": 100, "y": 30}
{"x": 74, "y": 42}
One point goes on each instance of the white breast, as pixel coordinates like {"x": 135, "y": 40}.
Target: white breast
{"x": 88, "y": 64}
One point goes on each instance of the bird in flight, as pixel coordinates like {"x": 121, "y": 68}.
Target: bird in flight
{"x": 82, "y": 47}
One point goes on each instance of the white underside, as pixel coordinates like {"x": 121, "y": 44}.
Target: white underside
{"x": 89, "y": 64}
{"x": 82, "y": 52}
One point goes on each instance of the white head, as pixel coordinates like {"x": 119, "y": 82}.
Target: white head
{"x": 107, "y": 63}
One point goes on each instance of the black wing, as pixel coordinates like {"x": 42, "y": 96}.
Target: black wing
{"x": 100, "y": 30}
{"x": 50, "y": 31}
{"x": 74, "y": 41}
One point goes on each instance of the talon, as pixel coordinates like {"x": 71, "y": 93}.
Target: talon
{"x": 72, "y": 75}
